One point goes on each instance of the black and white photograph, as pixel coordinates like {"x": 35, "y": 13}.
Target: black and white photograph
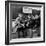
{"x": 24, "y": 22}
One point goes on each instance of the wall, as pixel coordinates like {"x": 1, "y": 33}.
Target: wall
{"x": 2, "y": 24}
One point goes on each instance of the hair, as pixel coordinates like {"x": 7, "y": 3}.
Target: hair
{"x": 35, "y": 12}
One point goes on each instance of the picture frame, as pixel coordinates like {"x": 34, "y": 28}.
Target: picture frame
{"x": 12, "y": 9}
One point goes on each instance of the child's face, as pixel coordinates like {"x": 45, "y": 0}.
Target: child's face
{"x": 20, "y": 15}
{"x": 36, "y": 16}
{"x": 29, "y": 16}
